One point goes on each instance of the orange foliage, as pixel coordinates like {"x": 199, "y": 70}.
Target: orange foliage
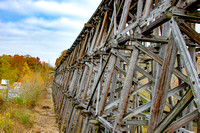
{"x": 63, "y": 53}
{"x": 18, "y": 62}
{"x": 15, "y": 67}
{"x": 33, "y": 63}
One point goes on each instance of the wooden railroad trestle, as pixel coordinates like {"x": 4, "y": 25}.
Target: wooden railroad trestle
{"x": 132, "y": 68}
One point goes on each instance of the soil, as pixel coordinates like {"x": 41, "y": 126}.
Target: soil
{"x": 44, "y": 115}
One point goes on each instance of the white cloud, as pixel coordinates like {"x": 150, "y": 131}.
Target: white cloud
{"x": 61, "y": 23}
{"x": 30, "y": 36}
{"x": 51, "y": 8}
{"x": 42, "y": 36}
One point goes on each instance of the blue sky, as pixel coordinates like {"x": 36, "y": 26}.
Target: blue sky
{"x": 42, "y": 28}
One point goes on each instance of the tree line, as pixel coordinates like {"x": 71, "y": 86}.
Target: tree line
{"x": 13, "y": 68}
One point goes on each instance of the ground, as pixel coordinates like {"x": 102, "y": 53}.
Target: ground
{"x": 45, "y": 117}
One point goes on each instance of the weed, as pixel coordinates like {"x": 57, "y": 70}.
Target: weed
{"x": 19, "y": 101}
{"x": 9, "y": 126}
{"x": 25, "y": 118}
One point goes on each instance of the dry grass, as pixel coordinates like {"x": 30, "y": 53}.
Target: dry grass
{"x": 17, "y": 115}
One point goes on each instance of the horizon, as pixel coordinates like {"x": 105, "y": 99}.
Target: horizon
{"x": 42, "y": 28}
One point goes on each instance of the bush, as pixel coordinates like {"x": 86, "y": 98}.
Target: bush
{"x": 25, "y": 118}
{"x": 6, "y": 124}
{"x": 19, "y": 100}
{"x": 9, "y": 126}
{"x": 32, "y": 85}
{"x": 1, "y": 122}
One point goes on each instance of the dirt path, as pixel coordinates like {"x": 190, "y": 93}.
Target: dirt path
{"x": 45, "y": 118}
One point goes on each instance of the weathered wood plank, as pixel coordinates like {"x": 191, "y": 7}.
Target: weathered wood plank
{"x": 186, "y": 99}
{"x": 64, "y": 114}
{"x": 83, "y": 81}
{"x": 188, "y": 63}
{"x": 138, "y": 110}
{"x": 107, "y": 124}
{"x": 147, "y": 8}
{"x": 97, "y": 81}
{"x": 84, "y": 46}
{"x": 87, "y": 83}
{"x": 107, "y": 83}
{"x": 126, "y": 88}
{"x": 162, "y": 86}
{"x": 177, "y": 89}
{"x": 193, "y": 5}
{"x": 181, "y": 122}
{"x": 189, "y": 31}
{"x": 136, "y": 122}
{"x": 145, "y": 73}
{"x": 71, "y": 121}
{"x": 160, "y": 61}
{"x": 114, "y": 83}
{"x": 164, "y": 18}
{"x": 73, "y": 81}
{"x": 94, "y": 38}
{"x": 102, "y": 28}
{"x": 124, "y": 16}
{"x": 99, "y": 86}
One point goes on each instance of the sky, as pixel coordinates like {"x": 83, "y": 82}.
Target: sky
{"x": 42, "y": 28}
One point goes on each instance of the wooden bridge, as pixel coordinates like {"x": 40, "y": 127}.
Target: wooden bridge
{"x": 132, "y": 68}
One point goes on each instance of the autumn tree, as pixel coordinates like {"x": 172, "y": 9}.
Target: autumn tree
{"x": 13, "y": 68}
{"x": 6, "y": 71}
{"x": 63, "y": 53}
{"x": 8, "y": 58}
{"x": 33, "y": 63}
{"x": 18, "y": 62}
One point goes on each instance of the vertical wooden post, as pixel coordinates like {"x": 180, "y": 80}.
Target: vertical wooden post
{"x": 83, "y": 81}
{"x": 95, "y": 37}
{"x": 189, "y": 65}
{"x": 99, "y": 86}
{"x": 85, "y": 124}
{"x": 73, "y": 81}
{"x": 63, "y": 107}
{"x": 102, "y": 28}
{"x": 162, "y": 86}
{"x": 87, "y": 83}
{"x": 139, "y": 9}
{"x": 126, "y": 89}
{"x": 190, "y": 108}
{"x": 64, "y": 114}
{"x": 113, "y": 84}
{"x": 106, "y": 87}
{"x": 124, "y": 16}
{"x": 71, "y": 121}
{"x": 70, "y": 112}
{"x": 78, "y": 121}
{"x": 68, "y": 80}
{"x": 83, "y": 47}
{"x": 147, "y": 8}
